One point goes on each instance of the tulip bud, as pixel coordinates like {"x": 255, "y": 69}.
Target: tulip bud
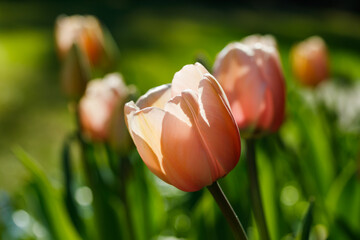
{"x": 251, "y": 75}
{"x": 310, "y": 61}
{"x": 85, "y": 31}
{"x": 101, "y": 111}
{"x": 185, "y": 132}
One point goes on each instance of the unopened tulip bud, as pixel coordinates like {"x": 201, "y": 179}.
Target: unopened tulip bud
{"x": 101, "y": 111}
{"x": 85, "y": 31}
{"x": 75, "y": 73}
{"x": 185, "y": 132}
{"x": 310, "y": 63}
{"x": 252, "y": 78}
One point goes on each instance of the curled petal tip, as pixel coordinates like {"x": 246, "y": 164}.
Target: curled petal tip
{"x": 155, "y": 97}
{"x": 187, "y": 78}
{"x": 130, "y": 107}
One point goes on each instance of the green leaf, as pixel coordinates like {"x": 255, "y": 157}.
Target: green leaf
{"x": 307, "y": 222}
{"x": 69, "y": 183}
{"x": 339, "y": 184}
{"x": 59, "y": 221}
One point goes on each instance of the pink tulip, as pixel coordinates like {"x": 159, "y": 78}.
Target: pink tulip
{"x": 251, "y": 75}
{"x": 310, "y": 61}
{"x": 101, "y": 111}
{"x": 85, "y": 31}
{"x": 185, "y": 132}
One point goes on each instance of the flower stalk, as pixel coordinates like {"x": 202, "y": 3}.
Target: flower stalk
{"x": 227, "y": 211}
{"x": 127, "y": 207}
{"x": 255, "y": 190}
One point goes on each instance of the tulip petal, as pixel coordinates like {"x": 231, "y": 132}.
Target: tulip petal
{"x": 220, "y": 132}
{"x": 270, "y": 69}
{"x": 266, "y": 118}
{"x": 115, "y": 85}
{"x": 155, "y": 97}
{"x": 94, "y": 115}
{"x": 145, "y": 127}
{"x": 238, "y": 74}
{"x": 255, "y": 39}
{"x": 187, "y": 78}
{"x": 186, "y": 159}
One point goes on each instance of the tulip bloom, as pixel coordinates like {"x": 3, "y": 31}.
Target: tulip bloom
{"x": 85, "y": 31}
{"x": 310, "y": 61}
{"x": 251, "y": 75}
{"x": 101, "y": 111}
{"x": 185, "y": 132}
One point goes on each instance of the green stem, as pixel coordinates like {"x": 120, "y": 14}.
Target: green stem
{"x": 255, "y": 190}
{"x": 123, "y": 180}
{"x": 120, "y": 168}
{"x": 227, "y": 211}
{"x": 127, "y": 212}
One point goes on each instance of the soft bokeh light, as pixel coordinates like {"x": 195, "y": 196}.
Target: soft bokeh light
{"x": 21, "y": 219}
{"x": 39, "y": 231}
{"x": 289, "y": 195}
{"x": 84, "y": 196}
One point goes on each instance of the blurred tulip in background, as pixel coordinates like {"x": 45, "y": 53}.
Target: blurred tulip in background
{"x": 85, "y": 31}
{"x": 101, "y": 111}
{"x": 251, "y": 75}
{"x": 185, "y": 132}
{"x": 310, "y": 63}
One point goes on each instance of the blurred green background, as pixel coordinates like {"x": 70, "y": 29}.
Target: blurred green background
{"x": 155, "y": 41}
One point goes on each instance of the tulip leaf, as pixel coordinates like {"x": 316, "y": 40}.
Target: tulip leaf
{"x": 268, "y": 191}
{"x": 69, "y": 184}
{"x": 306, "y": 223}
{"x": 317, "y": 158}
{"x": 57, "y": 218}
{"x": 346, "y": 201}
{"x": 105, "y": 214}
